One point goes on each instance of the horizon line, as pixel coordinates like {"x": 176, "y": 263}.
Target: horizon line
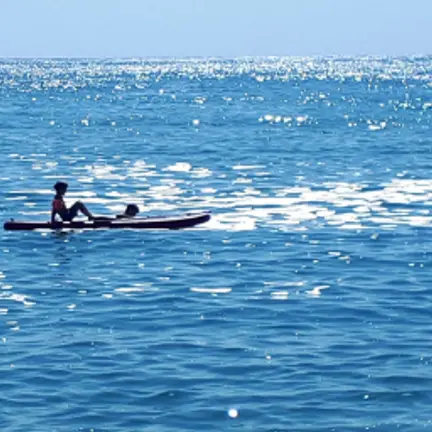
{"x": 220, "y": 57}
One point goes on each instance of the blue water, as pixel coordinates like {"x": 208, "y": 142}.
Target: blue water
{"x": 303, "y": 305}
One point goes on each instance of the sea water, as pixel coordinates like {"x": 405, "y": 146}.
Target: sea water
{"x": 303, "y": 305}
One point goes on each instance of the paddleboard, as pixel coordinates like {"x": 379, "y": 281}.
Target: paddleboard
{"x": 161, "y": 222}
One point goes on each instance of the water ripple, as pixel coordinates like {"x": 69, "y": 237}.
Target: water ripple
{"x": 306, "y": 296}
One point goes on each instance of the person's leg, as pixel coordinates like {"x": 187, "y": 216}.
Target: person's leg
{"x": 65, "y": 216}
{"x": 79, "y": 207}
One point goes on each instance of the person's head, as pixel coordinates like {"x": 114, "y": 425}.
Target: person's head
{"x": 132, "y": 210}
{"x": 61, "y": 187}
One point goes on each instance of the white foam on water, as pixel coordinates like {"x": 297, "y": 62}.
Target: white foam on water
{"x": 20, "y": 298}
{"x": 211, "y": 290}
{"x": 279, "y": 295}
{"x": 316, "y": 292}
{"x": 129, "y": 289}
{"x": 179, "y": 167}
{"x": 284, "y": 283}
{"x": 247, "y": 167}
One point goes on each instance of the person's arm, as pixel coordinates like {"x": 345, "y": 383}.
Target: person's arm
{"x": 53, "y": 215}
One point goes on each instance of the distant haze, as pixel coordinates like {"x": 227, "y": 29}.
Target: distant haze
{"x": 227, "y": 28}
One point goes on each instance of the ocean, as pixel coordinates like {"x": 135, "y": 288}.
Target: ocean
{"x": 304, "y": 304}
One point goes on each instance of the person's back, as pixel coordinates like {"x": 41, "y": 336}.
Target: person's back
{"x": 58, "y": 204}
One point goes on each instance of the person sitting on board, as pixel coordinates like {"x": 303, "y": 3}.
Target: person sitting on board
{"x": 131, "y": 211}
{"x": 59, "y": 206}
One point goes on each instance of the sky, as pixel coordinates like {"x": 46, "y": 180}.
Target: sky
{"x": 223, "y": 28}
